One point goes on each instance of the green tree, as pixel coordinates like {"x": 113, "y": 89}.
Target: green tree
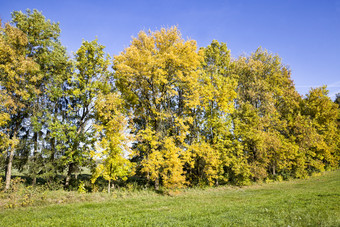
{"x": 90, "y": 78}
{"x": 45, "y": 49}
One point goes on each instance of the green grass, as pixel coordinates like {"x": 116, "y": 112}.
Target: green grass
{"x": 311, "y": 202}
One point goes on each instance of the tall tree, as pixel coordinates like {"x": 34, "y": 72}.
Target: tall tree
{"x": 45, "y": 49}
{"x": 211, "y": 131}
{"x": 18, "y": 77}
{"x": 90, "y": 78}
{"x": 264, "y": 93}
{"x": 158, "y": 78}
{"x": 323, "y": 114}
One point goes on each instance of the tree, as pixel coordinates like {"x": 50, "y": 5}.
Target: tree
{"x": 44, "y": 47}
{"x": 89, "y": 80}
{"x": 157, "y": 76}
{"x": 323, "y": 114}
{"x": 18, "y": 76}
{"x": 211, "y": 131}
{"x": 113, "y": 145}
{"x": 265, "y": 106}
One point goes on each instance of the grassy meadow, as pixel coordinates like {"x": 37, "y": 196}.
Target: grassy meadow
{"x": 310, "y": 202}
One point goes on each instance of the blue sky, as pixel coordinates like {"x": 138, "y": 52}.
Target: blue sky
{"x": 305, "y": 34}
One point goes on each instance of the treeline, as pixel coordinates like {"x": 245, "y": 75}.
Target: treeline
{"x": 162, "y": 112}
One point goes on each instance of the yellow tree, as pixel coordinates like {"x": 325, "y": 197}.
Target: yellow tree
{"x": 17, "y": 86}
{"x": 266, "y": 106}
{"x": 211, "y": 131}
{"x": 113, "y": 143}
{"x": 158, "y": 77}
{"x": 323, "y": 113}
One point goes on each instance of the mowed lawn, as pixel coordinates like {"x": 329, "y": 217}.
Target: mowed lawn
{"x": 311, "y": 202}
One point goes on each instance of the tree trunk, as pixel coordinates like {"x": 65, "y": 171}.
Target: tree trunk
{"x": 109, "y": 187}
{"x": 9, "y": 168}
{"x": 53, "y": 151}
{"x": 157, "y": 184}
{"x": 10, "y": 159}
{"x": 35, "y": 154}
{"x": 69, "y": 174}
{"x": 34, "y": 180}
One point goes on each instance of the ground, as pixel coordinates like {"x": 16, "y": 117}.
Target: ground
{"x": 309, "y": 202}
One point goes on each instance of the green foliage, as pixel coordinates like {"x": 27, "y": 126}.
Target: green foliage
{"x": 43, "y": 46}
{"x": 89, "y": 79}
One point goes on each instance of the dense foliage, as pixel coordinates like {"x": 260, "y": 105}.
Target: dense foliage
{"x": 167, "y": 114}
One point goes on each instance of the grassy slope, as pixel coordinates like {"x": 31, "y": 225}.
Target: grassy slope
{"x": 312, "y": 202}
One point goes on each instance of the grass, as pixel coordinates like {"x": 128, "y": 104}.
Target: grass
{"x": 311, "y": 202}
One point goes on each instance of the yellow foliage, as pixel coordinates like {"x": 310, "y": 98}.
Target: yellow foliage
{"x": 158, "y": 77}
{"x": 113, "y": 146}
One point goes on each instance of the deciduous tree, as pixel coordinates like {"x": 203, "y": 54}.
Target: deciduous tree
{"x": 113, "y": 148}
{"x": 18, "y": 77}
{"x": 157, "y": 76}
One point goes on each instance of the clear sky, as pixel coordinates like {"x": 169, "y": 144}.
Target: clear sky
{"x": 305, "y": 34}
